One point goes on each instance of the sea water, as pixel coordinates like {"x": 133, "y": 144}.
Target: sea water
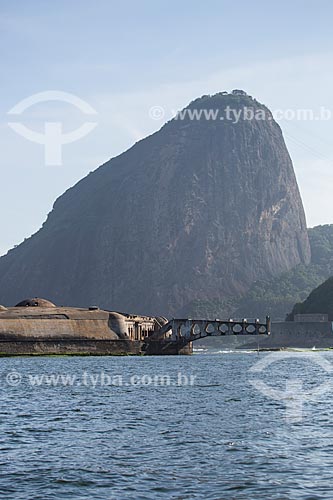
{"x": 207, "y": 426}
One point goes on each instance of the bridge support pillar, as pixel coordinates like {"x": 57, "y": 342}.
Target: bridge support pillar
{"x": 163, "y": 347}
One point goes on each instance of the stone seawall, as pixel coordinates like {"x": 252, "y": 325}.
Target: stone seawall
{"x": 165, "y": 348}
{"x": 69, "y": 347}
{"x": 82, "y": 346}
{"x": 283, "y": 335}
{"x": 298, "y": 335}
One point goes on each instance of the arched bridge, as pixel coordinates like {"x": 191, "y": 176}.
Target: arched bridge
{"x": 188, "y": 330}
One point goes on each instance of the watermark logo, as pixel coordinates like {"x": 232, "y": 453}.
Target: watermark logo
{"x": 156, "y": 113}
{"x": 53, "y": 137}
{"x": 14, "y": 378}
{"x": 294, "y": 396}
{"x": 95, "y": 380}
{"x": 236, "y": 115}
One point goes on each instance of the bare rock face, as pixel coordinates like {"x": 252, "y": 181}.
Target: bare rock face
{"x": 198, "y": 210}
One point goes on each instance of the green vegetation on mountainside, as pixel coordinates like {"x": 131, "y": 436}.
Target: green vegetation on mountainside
{"x": 320, "y": 300}
{"x": 277, "y": 296}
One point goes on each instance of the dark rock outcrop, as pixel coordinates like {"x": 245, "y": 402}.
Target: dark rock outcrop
{"x": 320, "y": 301}
{"x": 198, "y": 210}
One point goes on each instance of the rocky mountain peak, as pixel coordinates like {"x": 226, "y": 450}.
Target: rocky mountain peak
{"x": 198, "y": 210}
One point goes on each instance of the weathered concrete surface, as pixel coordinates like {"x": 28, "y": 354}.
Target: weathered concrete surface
{"x": 39, "y": 323}
{"x": 36, "y": 326}
{"x": 47, "y": 329}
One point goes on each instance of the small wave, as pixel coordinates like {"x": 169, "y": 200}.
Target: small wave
{"x": 230, "y": 351}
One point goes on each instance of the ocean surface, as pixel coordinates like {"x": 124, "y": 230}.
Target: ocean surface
{"x": 218, "y": 425}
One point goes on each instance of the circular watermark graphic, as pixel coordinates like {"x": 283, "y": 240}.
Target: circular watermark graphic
{"x": 53, "y": 137}
{"x": 156, "y": 113}
{"x": 13, "y": 379}
{"x": 294, "y": 396}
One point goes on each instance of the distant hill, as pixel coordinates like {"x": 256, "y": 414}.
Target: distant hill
{"x": 320, "y": 300}
{"x": 196, "y": 212}
{"x": 277, "y": 296}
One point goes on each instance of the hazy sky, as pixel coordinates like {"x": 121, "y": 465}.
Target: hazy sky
{"x": 125, "y": 57}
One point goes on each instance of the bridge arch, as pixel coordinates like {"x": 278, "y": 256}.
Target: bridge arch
{"x": 189, "y": 330}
